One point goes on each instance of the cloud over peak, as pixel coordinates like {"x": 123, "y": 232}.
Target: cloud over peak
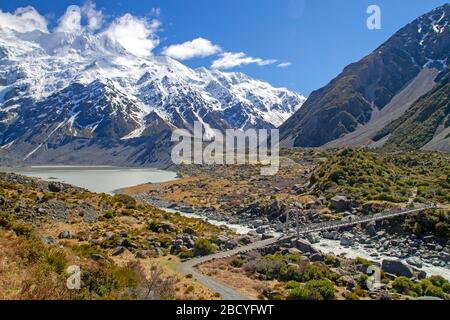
{"x": 70, "y": 21}
{"x": 136, "y": 35}
{"x": 197, "y": 48}
{"x": 72, "y": 18}
{"x": 23, "y": 20}
{"x": 94, "y": 17}
{"x": 228, "y": 60}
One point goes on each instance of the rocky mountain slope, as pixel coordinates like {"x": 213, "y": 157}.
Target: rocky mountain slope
{"x": 368, "y": 95}
{"x": 66, "y": 95}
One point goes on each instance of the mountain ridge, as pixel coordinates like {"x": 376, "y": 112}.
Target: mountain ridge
{"x": 60, "y": 87}
{"x": 364, "y": 88}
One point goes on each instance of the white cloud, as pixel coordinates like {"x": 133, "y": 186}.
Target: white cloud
{"x": 230, "y": 60}
{"x": 23, "y": 20}
{"x": 192, "y": 49}
{"x": 284, "y": 65}
{"x": 70, "y": 21}
{"x": 136, "y": 35}
{"x": 94, "y": 17}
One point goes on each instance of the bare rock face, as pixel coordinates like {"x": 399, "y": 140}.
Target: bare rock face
{"x": 340, "y": 203}
{"x": 397, "y": 268}
{"x": 305, "y": 247}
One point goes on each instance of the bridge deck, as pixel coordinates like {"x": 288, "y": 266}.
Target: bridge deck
{"x": 331, "y": 225}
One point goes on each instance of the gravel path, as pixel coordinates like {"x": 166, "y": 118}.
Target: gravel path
{"x": 225, "y": 291}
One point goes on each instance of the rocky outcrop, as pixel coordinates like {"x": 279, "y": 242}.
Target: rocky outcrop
{"x": 397, "y": 268}
{"x": 340, "y": 203}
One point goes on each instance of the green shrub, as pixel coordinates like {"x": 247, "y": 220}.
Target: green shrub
{"x": 313, "y": 290}
{"x": 126, "y": 242}
{"x": 417, "y": 288}
{"x": 154, "y": 226}
{"x": 128, "y": 201}
{"x": 442, "y": 229}
{"x": 446, "y": 287}
{"x": 366, "y": 263}
{"x": 22, "y": 229}
{"x": 324, "y": 287}
{"x": 57, "y": 260}
{"x": 433, "y": 291}
{"x": 85, "y": 250}
{"x": 237, "y": 262}
{"x": 331, "y": 261}
{"x": 203, "y": 247}
{"x": 109, "y": 214}
{"x": 402, "y": 285}
{"x": 292, "y": 285}
{"x": 438, "y": 281}
{"x": 189, "y": 289}
{"x": 350, "y": 296}
{"x": 302, "y": 293}
{"x": 185, "y": 253}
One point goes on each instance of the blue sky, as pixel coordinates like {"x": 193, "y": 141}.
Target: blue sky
{"x": 318, "y": 37}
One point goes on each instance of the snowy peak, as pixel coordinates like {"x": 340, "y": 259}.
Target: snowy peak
{"x": 83, "y": 85}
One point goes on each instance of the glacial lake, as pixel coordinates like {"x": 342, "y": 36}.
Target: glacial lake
{"x": 96, "y": 179}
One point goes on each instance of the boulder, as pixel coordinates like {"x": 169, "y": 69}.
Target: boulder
{"x": 262, "y": 229}
{"x": 118, "y": 251}
{"x": 347, "y": 281}
{"x": 189, "y": 230}
{"x": 221, "y": 240}
{"x": 340, "y": 203}
{"x": 266, "y": 236}
{"x": 97, "y": 257}
{"x": 245, "y": 240}
{"x": 331, "y": 235}
{"x": 298, "y": 189}
{"x": 347, "y": 240}
{"x": 141, "y": 254}
{"x": 168, "y": 227}
{"x": 396, "y": 268}
{"x": 317, "y": 257}
{"x": 55, "y": 187}
{"x": 313, "y": 238}
{"x": 421, "y": 275}
{"x": 304, "y": 246}
{"x": 414, "y": 261}
{"x": 231, "y": 244}
{"x": 49, "y": 240}
{"x": 65, "y": 235}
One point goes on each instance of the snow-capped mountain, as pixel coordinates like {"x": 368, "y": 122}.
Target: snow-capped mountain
{"x": 57, "y": 89}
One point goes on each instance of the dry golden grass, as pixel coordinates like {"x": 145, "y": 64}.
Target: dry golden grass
{"x": 229, "y": 188}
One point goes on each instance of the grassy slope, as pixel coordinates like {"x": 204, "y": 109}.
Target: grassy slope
{"x": 418, "y": 125}
{"x": 33, "y": 269}
{"x": 365, "y": 176}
